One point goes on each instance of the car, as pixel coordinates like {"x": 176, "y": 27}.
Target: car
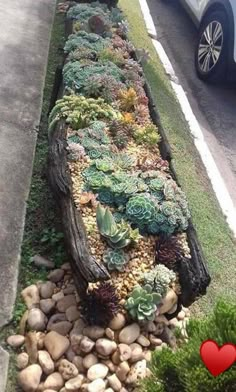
{"x": 215, "y": 54}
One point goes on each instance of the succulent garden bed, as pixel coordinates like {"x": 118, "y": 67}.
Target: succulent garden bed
{"x": 135, "y": 259}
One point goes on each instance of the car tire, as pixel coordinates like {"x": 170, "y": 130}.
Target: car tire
{"x": 212, "y": 48}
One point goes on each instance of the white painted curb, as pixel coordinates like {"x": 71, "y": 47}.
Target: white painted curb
{"x": 216, "y": 179}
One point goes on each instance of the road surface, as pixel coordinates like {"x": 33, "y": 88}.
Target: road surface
{"x": 214, "y": 106}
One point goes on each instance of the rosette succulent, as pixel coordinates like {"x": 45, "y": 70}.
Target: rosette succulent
{"x": 142, "y": 303}
{"x": 76, "y": 76}
{"x": 160, "y": 279}
{"x": 141, "y": 209}
{"x": 84, "y": 40}
{"x": 105, "y": 165}
{"x": 115, "y": 259}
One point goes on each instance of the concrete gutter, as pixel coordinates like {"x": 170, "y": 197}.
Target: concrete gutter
{"x": 25, "y": 31}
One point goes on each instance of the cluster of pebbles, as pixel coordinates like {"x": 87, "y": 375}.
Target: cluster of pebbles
{"x": 57, "y": 351}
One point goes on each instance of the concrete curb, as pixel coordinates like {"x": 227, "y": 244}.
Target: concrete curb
{"x": 25, "y": 32}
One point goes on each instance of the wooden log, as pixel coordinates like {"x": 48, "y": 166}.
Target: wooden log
{"x": 194, "y": 277}
{"x": 84, "y": 266}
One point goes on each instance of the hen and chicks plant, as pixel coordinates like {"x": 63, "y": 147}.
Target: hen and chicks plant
{"x": 91, "y": 41}
{"x": 142, "y": 303}
{"x": 115, "y": 259}
{"x": 164, "y": 210}
{"x": 160, "y": 279}
{"x": 76, "y": 75}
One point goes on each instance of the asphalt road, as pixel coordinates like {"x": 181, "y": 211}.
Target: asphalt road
{"x": 214, "y": 106}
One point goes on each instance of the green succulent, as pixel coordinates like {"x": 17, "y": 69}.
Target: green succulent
{"x": 118, "y": 235}
{"x": 147, "y": 135}
{"x": 115, "y": 259}
{"x": 105, "y": 165}
{"x": 142, "y": 303}
{"x": 83, "y": 12}
{"x": 157, "y": 184}
{"x": 76, "y": 76}
{"x": 94, "y": 154}
{"x": 91, "y": 41}
{"x": 121, "y": 140}
{"x": 141, "y": 209}
{"x": 80, "y": 112}
{"x": 124, "y": 161}
{"x": 105, "y": 196}
{"x": 98, "y": 180}
{"x": 160, "y": 279}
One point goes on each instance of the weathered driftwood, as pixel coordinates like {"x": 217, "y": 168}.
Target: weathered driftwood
{"x": 84, "y": 266}
{"x": 193, "y": 274}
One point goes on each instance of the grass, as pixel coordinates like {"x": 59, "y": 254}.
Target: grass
{"x": 213, "y": 232}
{"x": 42, "y": 228}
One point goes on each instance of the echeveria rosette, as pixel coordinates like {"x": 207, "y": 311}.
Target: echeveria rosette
{"x": 160, "y": 279}
{"x": 156, "y": 184}
{"x": 105, "y": 165}
{"x": 105, "y": 196}
{"x": 115, "y": 259}
{"x": 140, "y": 210}
{"x": 142, "y": 303}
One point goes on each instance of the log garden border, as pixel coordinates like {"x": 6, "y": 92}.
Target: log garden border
{"x": 193, "y": 274}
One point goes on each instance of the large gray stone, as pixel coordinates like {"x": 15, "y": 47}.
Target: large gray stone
{"x": 4, "y": 361}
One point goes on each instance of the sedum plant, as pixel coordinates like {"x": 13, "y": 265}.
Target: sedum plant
{"x": 79, "y": 111}
{"x": 116, "y": 56}
{"x": 160, "y": 279}
{"x": 104, "y": 86}
{"x": 117, "y": 235}
{"x": 142, "y": 303}
{"x": 147, "y": 134}
{"x": 115, "y": 259}
{"x": 128, "y": 99}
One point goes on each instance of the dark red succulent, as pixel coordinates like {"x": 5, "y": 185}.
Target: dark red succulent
{"x": 100, "y": 305}
{"x": 169, "y": 251}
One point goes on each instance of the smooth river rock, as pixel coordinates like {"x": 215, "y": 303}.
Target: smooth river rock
{"x": 56, "y": 344}
{"x": 129, "y": 334}
{"x": 29, "y": 378}
{"x": 97, "y": 371}
{"x": 46, "y": 362}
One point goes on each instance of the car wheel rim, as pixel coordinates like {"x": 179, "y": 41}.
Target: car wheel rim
{"x": 210, "y": 46}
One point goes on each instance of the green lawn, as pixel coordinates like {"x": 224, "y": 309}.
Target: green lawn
{"x": 218, "y": 245}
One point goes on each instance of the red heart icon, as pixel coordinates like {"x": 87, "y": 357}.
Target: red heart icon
{"x": 217, "y": 359}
